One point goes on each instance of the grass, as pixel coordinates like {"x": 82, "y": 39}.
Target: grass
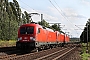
{"x": 4, "y": 43}
{"x": 84, "y": 55}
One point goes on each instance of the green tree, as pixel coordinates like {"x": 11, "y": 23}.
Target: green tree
{"x": 27, "y": 17}
{"x": 56, "y": 27}
{"x": 17, "y": 12}
{"x": 8, "y": 22}
{"x": 23, "y": 19}
{"x": 83, "y": 36}
{"x": 44, "y": 23}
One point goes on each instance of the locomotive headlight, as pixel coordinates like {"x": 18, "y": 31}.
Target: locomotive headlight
{"x": 32, "y": 38}
{"x": 20, "y": 38}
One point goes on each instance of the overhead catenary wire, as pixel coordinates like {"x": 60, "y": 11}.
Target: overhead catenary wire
{"x": 59, "y": 10}
{"x": 24, "y": 8}
{"x": 65, "y": 17}
{"x": 56, "y": 8}
{"x": 36, "y": 11}
{"x": 68, "y": 20}
{"x": 29, "y": 7}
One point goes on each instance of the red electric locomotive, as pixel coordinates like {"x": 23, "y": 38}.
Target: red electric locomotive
{"x": 34, "y": 36}
{"x": 28, "y": 35}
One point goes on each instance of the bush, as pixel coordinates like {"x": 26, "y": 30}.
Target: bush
{"x": 5, "y": 43}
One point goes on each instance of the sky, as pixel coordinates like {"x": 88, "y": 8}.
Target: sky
{"x": 72, "y": 14}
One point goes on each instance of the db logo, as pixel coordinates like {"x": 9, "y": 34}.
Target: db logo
{"x": 25, "y": 38}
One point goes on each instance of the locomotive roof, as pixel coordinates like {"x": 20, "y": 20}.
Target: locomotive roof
{"x": 34, "y": 24}
{"x": 49, "y": 29}
{"x": 31, "y": 24}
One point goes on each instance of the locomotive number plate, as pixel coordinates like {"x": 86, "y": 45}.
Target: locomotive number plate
{"x": 25, "y": 40}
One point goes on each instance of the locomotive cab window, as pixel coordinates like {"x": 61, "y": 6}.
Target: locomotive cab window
{"x": 38, "y": 30}
{"x": 22, "y": 30}
{"x": 30, "y": 30}
{"x": 26, "y": 30}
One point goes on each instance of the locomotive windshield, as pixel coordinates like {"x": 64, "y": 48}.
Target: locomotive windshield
{"x": 26, "y": 30}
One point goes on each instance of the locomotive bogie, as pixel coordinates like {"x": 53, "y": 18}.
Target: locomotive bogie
{"x": 25, "y": 45}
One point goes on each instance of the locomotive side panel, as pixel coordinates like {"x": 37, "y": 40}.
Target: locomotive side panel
{"x": 66, "y": 39}
{"x": 51, "y": 37}
{"x": 41, "y": 37}
{"x": 62, "y": 38}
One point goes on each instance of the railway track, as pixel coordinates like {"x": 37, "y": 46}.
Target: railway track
{"x": 9, "y": 52}
{"x": 58, "y": 53}
{"x": 29, "y": 55}
{"x": 3, "y": 49}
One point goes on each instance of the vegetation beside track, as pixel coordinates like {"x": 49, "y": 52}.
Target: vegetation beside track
{"x": 5, "y": 43}
{"x": 85, "y": 55}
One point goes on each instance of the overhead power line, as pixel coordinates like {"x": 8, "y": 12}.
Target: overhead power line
{"x": 24, "y": 8}
{"x": 31, "y": 8}
{"x": 56, "y": 8}
{"x": 27, "y": 5}
{"x": 66, "y": 18}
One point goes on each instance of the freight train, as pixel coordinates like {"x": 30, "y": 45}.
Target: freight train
{"x": 35, "y": 36}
